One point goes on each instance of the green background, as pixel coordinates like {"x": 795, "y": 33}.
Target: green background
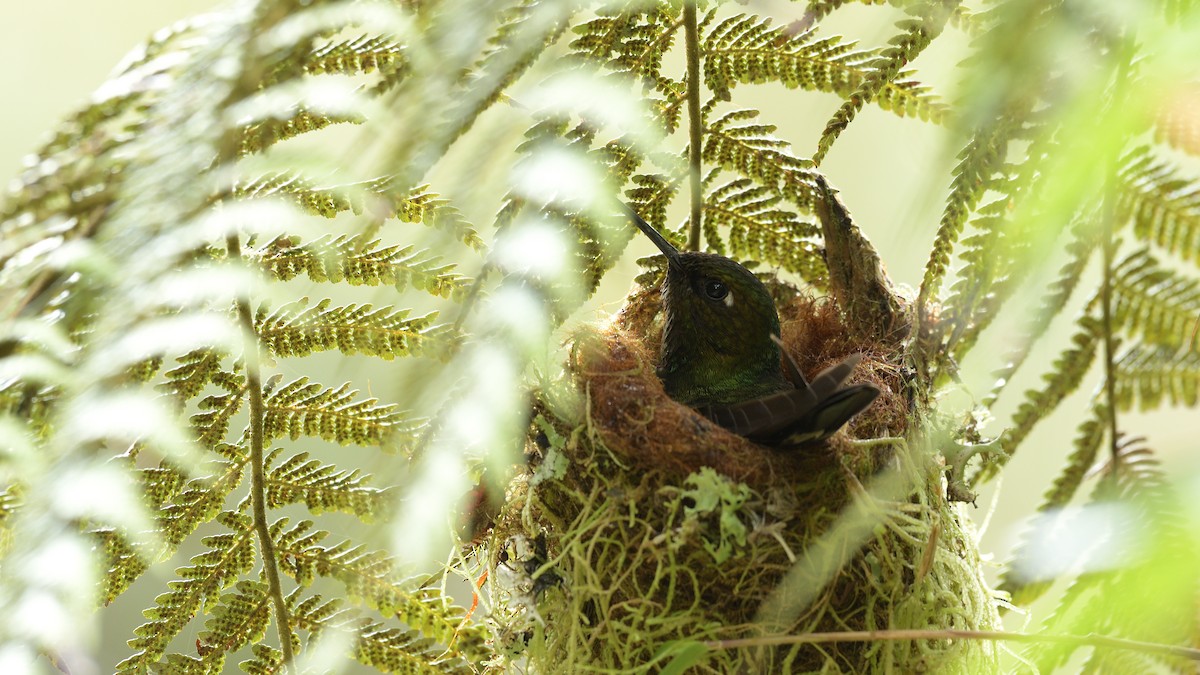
{"x": 892, "y": 174}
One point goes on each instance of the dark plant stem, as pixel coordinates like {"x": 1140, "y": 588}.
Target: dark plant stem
{"x": 258, "y": 479}
{"x": 995, "y": 635}
{"x": 1108, "y": 246}
{"x": 692, "y": 38}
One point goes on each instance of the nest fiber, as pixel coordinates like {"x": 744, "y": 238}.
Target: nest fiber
{"x": 662, "y": 529}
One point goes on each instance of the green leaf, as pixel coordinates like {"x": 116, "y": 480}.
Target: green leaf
{"x": 684, "y": 655}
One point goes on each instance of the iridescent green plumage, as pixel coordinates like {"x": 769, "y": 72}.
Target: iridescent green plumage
{"x": 720, "y": 355}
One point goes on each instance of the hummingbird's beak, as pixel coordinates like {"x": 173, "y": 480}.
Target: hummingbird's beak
{"x": 660, "y": 241}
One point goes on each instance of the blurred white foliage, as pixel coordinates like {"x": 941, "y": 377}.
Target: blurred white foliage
{"x": 1079, "y": 539}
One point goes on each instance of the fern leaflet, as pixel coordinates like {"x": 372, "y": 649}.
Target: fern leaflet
{"x": 299, "y": 330}
{"x": 301, "y": 408}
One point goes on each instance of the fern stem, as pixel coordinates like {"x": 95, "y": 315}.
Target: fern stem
{"x": 1108, "y": 246}
{"x": 258, "y": 479}
{"x": 952, "y": 634}
{"x": 692, "y": 38}
{"x": 254, "y": 67}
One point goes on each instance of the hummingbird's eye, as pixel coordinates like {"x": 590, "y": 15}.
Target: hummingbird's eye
{"x": 715, "y": 289}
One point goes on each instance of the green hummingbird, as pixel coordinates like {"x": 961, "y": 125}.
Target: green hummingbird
{"x": 721, "y": 355}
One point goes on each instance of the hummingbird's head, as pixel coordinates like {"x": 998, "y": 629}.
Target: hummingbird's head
{"x": 717, "y": 344}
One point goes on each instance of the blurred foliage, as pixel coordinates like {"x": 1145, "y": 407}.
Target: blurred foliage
{"x": 145, "y": 257}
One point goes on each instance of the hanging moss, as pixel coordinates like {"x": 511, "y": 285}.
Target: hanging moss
{"x": 663, "y": 527}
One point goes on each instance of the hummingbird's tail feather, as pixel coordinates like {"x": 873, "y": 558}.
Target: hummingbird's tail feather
{"x": 838, "y": 409}
{"x": 808, "y": 413}
{"x": 827, "y": 382}
{"x": 764, "y": 416}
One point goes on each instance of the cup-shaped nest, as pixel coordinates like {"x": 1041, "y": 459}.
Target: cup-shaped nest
{"x": 661, "y": 528}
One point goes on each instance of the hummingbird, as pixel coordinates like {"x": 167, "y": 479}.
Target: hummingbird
{"x": 721, "y": 355}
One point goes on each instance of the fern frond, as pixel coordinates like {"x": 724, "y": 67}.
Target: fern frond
{"x": 751, "y": 151}
{"x": 389, "y": 650}
{"x": 1164, "y": 205}
{"x": 597, "y": 243}
{"x": 296, "y": 329}
{"x": 322, "y": 487}
{"x": 325, "y": 50}
{"x": 1139, "y": 472}
{"x": 526, "y": 28}
{"x": 650, "y": 197}
{"x": 301, "y": 408}
{"x": 109, "y": 107}
{"x": 239, "y": 618}
{"x": 229, "y": 556}
{"x": 358, "y": 261}
{"x": 996, "y": 255}
{"x": 984, "y": 266}
{"x": 181, "y": 505}
{"x": 1087, "y": 445}
{"x": 1081, "y": 599}
{"x": 122, "y": 564}
{"x": 211, "y": 425}
{"x": 416, "y": 206}
{"x": 403, "y": 650}
{"x": 1068, "y": 371}
{"x": 199, "y": 500}
{"x": 760, "y": 231}
{"x": 980, "y": 162}
{"x": 746, "y": 49}
{"x": 1148, "y": 374}
{"x": 356, "y": 56}
{"x": 960, "y": 17}
{"x": 259, "y": 136}
{"x": 916, "y": 36}
{"x": 1081, "y": 247}
{"x": 422, "y": 206}
{"x": 10, "y": 501}
{"x": 322, "y": 201}
{"x": 1176, "y": 123}
{"x": 196, "y": 370}
{"x": 1175, "y": 10}
{"x": 632, "y": 42}
{"x": 1111, "y": 599}
{"x": 1161, "y": 306}
{"x": 266, "y": 660}
{"x": 369, "y": 577}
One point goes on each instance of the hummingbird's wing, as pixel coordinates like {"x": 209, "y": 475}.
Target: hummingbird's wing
{"x": 810, "y": 412}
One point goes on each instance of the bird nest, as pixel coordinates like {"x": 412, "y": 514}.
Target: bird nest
{"x": 654, "y": 529}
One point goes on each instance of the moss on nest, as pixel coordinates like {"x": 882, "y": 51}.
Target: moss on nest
{"x": 665, "y": 528}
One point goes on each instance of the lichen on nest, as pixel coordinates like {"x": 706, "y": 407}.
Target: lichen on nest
{"x": 663, "y": 527}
